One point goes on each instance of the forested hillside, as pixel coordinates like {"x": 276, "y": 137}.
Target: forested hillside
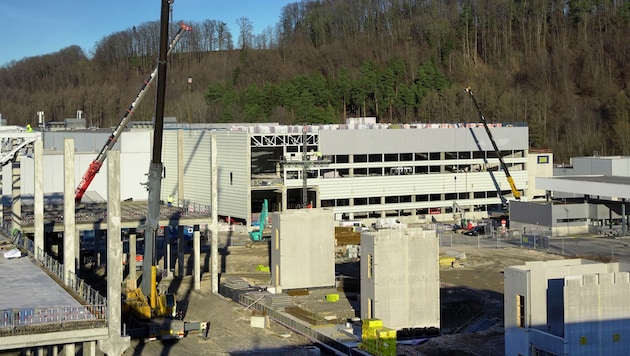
{"x": 560, "y": 66}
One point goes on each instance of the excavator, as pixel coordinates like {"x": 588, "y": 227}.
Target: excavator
{"x": 150, "y": 314}
{"x": 257, "y": 235}
{"x": 515, "y": 192}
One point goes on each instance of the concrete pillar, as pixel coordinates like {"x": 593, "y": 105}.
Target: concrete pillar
{"x": 284, "y": 198}
{"x": 89, "y": 348}
{"x": 214, "y": 223}
{"x": 382, "y": 203}
{"x": 38, "y": 204}
{"x": 196, "y": 252}
{"x": 132, "y": 257}
{"x": 180, "y": 168}
{"x": 69, "y": 350}
{"x": 180, "y": 251}
{"x": 69, "y": 252}
{"x": 115, "y": 344}
{"x": 16, "y": 197}
{"x": 39, "y": 351}
{"x": 53, "y": 350}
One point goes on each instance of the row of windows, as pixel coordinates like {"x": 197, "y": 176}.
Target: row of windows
{"x": 408, "y": 198}
{"x": 423, "y": 156}
{"x": 401, "y": 170}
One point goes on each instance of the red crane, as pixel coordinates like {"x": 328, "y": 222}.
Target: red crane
{"x": 95, "y": 166}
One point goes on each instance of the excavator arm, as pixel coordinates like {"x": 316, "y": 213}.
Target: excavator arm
{"x": 96, "y": 165}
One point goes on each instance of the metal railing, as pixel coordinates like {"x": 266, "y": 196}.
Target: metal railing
{"x": 72, "y": 281}
{"x": 42, "y": 320}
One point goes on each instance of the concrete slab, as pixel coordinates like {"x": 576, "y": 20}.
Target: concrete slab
{"x": 25, "y": 285}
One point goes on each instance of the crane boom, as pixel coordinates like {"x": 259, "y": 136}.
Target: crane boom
{"x": 515, "y": 192}
{"x": 96, "y": 165}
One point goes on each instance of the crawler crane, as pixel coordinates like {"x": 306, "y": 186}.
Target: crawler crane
{"x": 515, "y": 192}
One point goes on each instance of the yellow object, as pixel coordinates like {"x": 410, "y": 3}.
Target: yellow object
{"x": 372, "y": 323}
{"x": 332, "y": 297}
{"x": 446, "y": 261}
{"x": 262, "y": 268}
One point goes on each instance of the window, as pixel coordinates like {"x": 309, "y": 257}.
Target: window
{"x": 520, "y": 311}
{"x": 369, "y": 266}
{"x": 359, "y": 158}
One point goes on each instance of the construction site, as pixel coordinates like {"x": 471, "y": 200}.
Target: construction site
{"x": 264, "y": 238}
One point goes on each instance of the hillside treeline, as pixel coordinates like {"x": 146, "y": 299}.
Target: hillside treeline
{"x": 560, "y": 66}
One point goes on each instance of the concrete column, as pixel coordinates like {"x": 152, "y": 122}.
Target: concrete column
{"x": 180, "y": 251}
{"x": 214, "y": 224}
{"x": 180, "y": 167}
{"x": 132, "y": 257}
{"x": 16, "y": 197}
{"x": 38, "y": 204}
{"x": 69, "y": 252}
{"x": 284, "y": 198}
{"x": 382, "y": 203}
{"x": 69, "y": 350}
{"x": 196, "y": 252}
{"x": 115, "y": 344}
{"x": 53, "y": 350}
{"x": 351, "y": 215}
{"x": 89, "y": 348}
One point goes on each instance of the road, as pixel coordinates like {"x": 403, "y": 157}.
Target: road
{"x": 606, "y": 249}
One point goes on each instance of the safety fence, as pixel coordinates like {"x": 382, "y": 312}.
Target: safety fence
{"x": 34, "y": 320}
{"x": 72, "y": 281}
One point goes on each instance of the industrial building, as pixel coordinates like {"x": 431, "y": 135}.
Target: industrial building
{"x": 586, "y": 197}
{"x": 359, "y": 170}
{"x": 567, "y": 307}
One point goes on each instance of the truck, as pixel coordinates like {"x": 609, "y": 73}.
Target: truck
{"x": 388, "y": 223}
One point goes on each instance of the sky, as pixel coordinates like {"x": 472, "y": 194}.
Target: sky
{"x": 37, "y": 27}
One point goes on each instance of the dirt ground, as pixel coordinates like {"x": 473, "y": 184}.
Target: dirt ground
{"x": 471, "y": 306}
{"x": 472, "y": 300}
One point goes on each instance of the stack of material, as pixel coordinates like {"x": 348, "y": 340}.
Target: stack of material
{"x": 345, "y": 235}
{"x": 376, "y": 339}
{"x": 278, "y": 301}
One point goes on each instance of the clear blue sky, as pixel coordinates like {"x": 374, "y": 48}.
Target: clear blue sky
{"x": 36, "y": 27}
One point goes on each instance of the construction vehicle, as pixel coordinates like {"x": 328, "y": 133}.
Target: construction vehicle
{"x": 151, "y": 312}
{"x": 515, "y": 192}
{"x": 257, "y": 235}
{"x": 96, "y": 165}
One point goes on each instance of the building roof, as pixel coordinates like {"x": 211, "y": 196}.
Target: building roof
{"x": 596, "y": 185}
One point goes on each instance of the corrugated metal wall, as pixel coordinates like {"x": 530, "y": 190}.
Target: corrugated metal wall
{"x": 197, "y": 166}
{"x": 233, "y": 170}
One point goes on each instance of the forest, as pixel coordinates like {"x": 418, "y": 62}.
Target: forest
{"x": 560, "y": 66}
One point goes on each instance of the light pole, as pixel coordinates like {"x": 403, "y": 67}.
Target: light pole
{"x": 190, "y": 80}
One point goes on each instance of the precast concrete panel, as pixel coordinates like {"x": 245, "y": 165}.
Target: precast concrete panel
{"x": 346, "y": 187}
{"x": 233, "y": 171}
{"x": 531, "y": 213}
{"x": 405, "y": 277}
{"x": 134, "y": 167}
{"x": 596, "y": 308}
{"x": 197, "y": 165}
{"x": 169, "y": 161}
{"x": 84, "y": 141}
{"x": 135, "y": 141}
{"x": 620, "y": 166}
{"x": 133, "y": 173}
{"x": 515, "y": 284}
{"x": 303, "y": 249}
{"x": 421, "y": 140}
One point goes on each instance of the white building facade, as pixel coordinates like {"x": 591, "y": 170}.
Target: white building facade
{"x": 567, "y": 307}
{"x": 357, "y": 171}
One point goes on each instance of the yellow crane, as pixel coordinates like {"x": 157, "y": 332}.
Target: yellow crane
{"x": 515, "y": 192}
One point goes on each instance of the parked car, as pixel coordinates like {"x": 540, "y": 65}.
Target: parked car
{"x": 477, "y": 230}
